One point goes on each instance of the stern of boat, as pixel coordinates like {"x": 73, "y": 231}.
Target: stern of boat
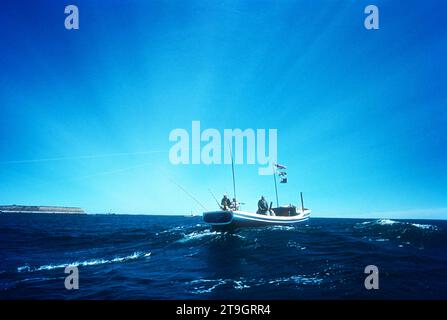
{"x": 218, "y": 218}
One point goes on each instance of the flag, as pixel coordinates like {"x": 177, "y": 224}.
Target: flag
{"x": 282, "y": 173}
{"x": 283, "y": 180}
{"x": 280, "y": 166}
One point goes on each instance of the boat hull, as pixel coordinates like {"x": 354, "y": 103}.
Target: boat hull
{"x": 247, "y": 219}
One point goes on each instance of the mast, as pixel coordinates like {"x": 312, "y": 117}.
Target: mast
{"x": 276, "y": 188}
{"x": 302, "y": 202}
{"x": 232, "y": 169}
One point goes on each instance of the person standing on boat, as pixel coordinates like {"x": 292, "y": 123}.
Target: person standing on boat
{"x": 234, "y": 204}
{"x": 225, "y": 203}
{"x": 263, "y": 206}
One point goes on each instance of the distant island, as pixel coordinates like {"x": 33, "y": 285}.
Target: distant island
{"x": 40, "y": 209}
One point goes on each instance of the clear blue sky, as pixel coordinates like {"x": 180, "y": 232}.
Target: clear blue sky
{"x": 361, "y": 115}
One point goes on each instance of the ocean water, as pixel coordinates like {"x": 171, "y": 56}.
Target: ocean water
{"x": 174, "y": 257}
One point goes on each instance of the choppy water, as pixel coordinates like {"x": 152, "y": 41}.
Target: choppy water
{"x": 155, "y": 257}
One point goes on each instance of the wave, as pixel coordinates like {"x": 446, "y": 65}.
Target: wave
{"x": 298, "y": 280}
{"x": 425, "y": 226}
{"x": 196, "y": 235}
{"x": 201, "y": 286}
{"x": 171, "y": 230}
{"x": 284, "y": 228}
{"x": 93, "y": 262}
{"x": 389, "y": 222}
{"x": 294, "y": 244}
{"x": 42, "y": 279}
{"x": 206, "y": 285}
{"x": 386, "y": 222}
{"x": 403, "y": 234}
{"x": 209, "y": 285}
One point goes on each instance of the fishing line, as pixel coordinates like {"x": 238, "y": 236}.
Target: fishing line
{"x": 184, "y": 190}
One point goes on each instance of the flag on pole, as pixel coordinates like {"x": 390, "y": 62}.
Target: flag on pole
{"x": 280, "y": 166}
{"x": 283, "y": 180}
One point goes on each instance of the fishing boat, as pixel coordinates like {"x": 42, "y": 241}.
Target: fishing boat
{"x": 281, "y": 215}
{"x": 237, "y": 218}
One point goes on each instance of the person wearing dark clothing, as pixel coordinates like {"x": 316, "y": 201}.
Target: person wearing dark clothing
{"x": 225, "y": 203}
{"x": 263, "y": 207}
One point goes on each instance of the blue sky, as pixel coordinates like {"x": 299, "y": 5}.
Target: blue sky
{"x": 361, "y": 115}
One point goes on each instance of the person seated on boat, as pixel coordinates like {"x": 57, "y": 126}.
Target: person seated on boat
{"x": 234, "y": 205}
{"x": 225, "y": 203}
{"x": 263, "y": 207}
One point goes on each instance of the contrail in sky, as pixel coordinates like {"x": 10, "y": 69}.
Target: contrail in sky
{"x": 82, "y": 157}
{"x": 103, "y": 173}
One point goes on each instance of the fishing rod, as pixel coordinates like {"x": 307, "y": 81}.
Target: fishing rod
{"x": 215, "y": 199}
{"x": 184, "y": 190}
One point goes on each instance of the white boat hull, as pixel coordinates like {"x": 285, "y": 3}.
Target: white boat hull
{"x": 247, "y": 219}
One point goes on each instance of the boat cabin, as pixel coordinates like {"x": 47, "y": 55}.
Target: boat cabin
{"x": 285, "y": 211}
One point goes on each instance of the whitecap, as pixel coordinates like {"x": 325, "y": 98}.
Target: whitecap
{"x": 282, "y": 228}
{"x": 425, "y": 226}
{"x": 384, "y": 222}
{"x": 209, "y": 285}
{"x": 171, "y": 230}
{"x": 201, "y": 286}
{"x": 239, "y": 285}
{"x": 85, "y": 263}
{"x": 387, "y": 222}
{"x": 198, "y": 235}
{"x": 298, "y": 279}
{"x": 206, "y": 285}
{"x": 23, "y": 269}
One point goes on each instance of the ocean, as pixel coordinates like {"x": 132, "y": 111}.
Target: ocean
{"x": 176, "y": 257}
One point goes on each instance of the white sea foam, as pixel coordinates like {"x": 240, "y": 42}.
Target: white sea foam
{"x": 23, "y": 269}
{"x": 201, "y": 286}
{"x": 386, "y": 222}
{"x": 298, "y": 279}
{"x": 294, "y": 244}
{"x": 171, "y": 230}
{"x": 198, "y": 235}
{"x": 195, "y": 235}
{"x": 209, "y": 285}
{"x": 206, "y": 285}
{"x": 389, "y": 222}
{"x": 381, "y": 222}
{"x": 239, "y": 285}
{"x": 285, "y": 228}
{"x": 237, "y": 236}
{"x": 92, "y": 262}
{"x": 425, "y": 226}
